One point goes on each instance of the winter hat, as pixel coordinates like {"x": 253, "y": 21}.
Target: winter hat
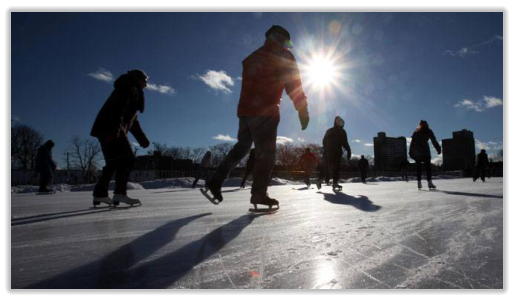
{"x": 279, "y": 34}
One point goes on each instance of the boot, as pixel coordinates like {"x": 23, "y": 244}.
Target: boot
{"x": 318, "y": 184}
{"x": 125, "y": 199}
{"x": 263, "y": 200}
{"x": 215, "y": 190}
{"x": 99, "y": 200}
{"x": 431, "y": 185}
{"x": 419, "y": 185}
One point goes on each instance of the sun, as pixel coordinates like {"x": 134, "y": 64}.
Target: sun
{"x": 321, "y": 72}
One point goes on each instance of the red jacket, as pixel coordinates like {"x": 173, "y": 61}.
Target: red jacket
{"x": 308, "y": 162}
{"x": 266, "y": 72}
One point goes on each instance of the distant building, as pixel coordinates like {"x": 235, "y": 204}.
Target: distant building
{"x": 459, "y": 152}
{"x": 389, "y": 152}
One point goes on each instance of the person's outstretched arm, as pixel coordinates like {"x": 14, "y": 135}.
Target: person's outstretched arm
{"x": 435, "y": 142}
{"x": 293, "y": 86}
{"x": 138, "y": 133}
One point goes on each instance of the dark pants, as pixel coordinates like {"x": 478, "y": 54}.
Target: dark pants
{"x": 479, "y": 172}
{"x": 201, "y": 172}
{"x": 331, "y": 164}
{"x": 119, "y": 160}
{"x": 364, "y": 175}
{"x": 44, "y": 180}
{"x": 307, "y": 177}
{"x": 428, "y": 166}
{"x": 262, "y": 131}
{"x": 247, "y": 173}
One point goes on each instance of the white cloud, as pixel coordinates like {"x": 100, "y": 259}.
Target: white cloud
{"x": 479, "y": 145}
{"x": 102, "y": 75}
{"x": 467, "y": 51}
{"x": 217, "y": 80}
{"x": 481, "y": 105}
{"x": 368, "y": 144}
{"x": 300, "y": 140}
{"x": 225, "y": 138}
{"x": 281, "y": 140}
{"x": 356, "y": 141}
{"x": 163, "y": 89}
{"x": 492, "y": 101}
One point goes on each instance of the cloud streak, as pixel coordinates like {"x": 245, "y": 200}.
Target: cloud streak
{"x": 217, "y": 80}
{"x": 224, "y": 138}
{"x": 471, "y": 50}
{"x": 480, "y": 105}
{"x": 163, "y": 89}
{"x": 282, "y": 140}
{"x": 102, "y": 75}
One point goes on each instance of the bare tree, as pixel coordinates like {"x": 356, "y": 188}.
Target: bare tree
{"x": 219, "y": 152}
{"x": 25, "y": 141}
{"x": 85, "y": 155}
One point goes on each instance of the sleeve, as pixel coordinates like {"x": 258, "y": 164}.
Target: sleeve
{"x": 293, "y": 83}
{"x": 346, "y": 146}
{"x": 138, "y": 133}
{"x": 435, "y": 142}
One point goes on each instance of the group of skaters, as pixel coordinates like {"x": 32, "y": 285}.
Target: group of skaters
{"x": 267, "y": 72}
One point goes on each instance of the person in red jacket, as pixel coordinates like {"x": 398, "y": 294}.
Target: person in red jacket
{"x": 266, "y": 73}
{"x": 308, "y": 162}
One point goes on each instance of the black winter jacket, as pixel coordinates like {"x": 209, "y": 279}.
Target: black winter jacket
{"x": 419, "y": 148}
{"x": 335, "y": 139}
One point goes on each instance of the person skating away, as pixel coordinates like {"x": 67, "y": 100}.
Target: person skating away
{"x": 116, "y": 118}
{"x": 249, "y": 168}
{"x": 203, "y": 168}
{"x": 266, "y": 72}
{"x": 363, "y": 166}
{"x": 404, "y": 164}
{"x": 308, "y": 162}
{"x": 334, "y": 141}
{"x": 420, "y": 151}
{"x": 481, "y": 166}
{"x": 45, "y": 167}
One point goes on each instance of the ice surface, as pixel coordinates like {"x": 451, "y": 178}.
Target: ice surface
{"x": 375, "y": 235}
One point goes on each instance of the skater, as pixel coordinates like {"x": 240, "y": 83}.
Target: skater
{"x": 45, "y": 167}
{"x": 308, "y": 162}
{"x": 335, "y": 139}
{"x": 404, "y": 165}
{"x": 363, "y": 166}
{"x": 116, "y": 118}
{"x": 420, "y": 151}
{"x": 481, "y": 166}
{"x": 266, "y": 72}
{"x": 249, "y": 168}
{"x": 203, "y": 168}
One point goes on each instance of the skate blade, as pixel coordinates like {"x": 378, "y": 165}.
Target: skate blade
{"x": 263, "y": 210}
{"x": 209, "y": 197}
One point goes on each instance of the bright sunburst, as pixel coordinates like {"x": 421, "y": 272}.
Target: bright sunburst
{"x": 321, "y": 72}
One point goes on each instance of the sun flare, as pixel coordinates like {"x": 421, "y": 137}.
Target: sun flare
{"x": 321, "y": 72}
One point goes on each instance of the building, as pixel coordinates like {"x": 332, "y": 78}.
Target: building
{"x": 459, "y": 152}
{"x": 389, "y": 152}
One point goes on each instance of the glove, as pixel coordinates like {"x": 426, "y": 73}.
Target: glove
{"x": 145, "y": 143}
{"x": 303, "y": 114}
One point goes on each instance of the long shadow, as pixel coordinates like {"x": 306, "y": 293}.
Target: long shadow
{"x": 55, "y": 216}
{"x": 361, "y": 202}
{"x": 168, "y": 269}
{"x": 112, "y": 270}
{"x": 232, "y": 190}
{"x": 471, "y": 194}
{"x": 51, "y": 214}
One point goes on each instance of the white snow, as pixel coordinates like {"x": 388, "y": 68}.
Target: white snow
{"x": 376, "y": 235}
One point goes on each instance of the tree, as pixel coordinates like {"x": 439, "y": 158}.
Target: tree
{"x": 85, "y": 155}
{"x": 25, "y": 141}
{"x": 219, "y": 152}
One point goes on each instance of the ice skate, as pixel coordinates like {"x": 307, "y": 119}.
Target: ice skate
{"x": 318, "y": 184}
{"x": 212, "y": 192}
{"x": 419, "y": 185}
{"x": 337, "y": 188}
{"x": 100, "y": 200}
{"x": 45, "y": 192}
{"x": 124, "y": 199}
{"x": 263, "y": 200}
{"x": 431, "y": 186}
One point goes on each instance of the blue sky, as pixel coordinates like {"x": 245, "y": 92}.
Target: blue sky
{"x": 393, "y": 70}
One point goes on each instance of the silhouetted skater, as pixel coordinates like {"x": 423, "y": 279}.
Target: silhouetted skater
{"x": 266, "y": 72}
{"x": 308, "y": 162}
{"x": 363, "y": 166}
{"x": 334, "y": 141}
{"x": 420, "y": 151}
{"x": 248, "y": 168}
{"x": 481, "y": 166}
{"x": 116, "y": 118}
{"x": 404, "y": 165}
{"x": 203, "y": 168}
{"x": 45, "y": 166}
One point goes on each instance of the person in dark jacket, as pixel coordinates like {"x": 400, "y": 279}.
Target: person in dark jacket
{"x": 420, "y": 151}
{"x": 203, "y": 168}
{"x": 308, "y": 162}
{"x": 248, "y": 168}
{"x": 363, "y": 166}
{"x": 45, "y": 166}
{"x": 334, "y": 141}
{"x": 481, "y": 166}
{"x": 266, "y": 73}
{"x": 118, "y": 117}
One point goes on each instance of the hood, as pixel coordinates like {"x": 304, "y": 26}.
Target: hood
{"x": 127, "y": 81}
{"x": 338, "y": 117}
